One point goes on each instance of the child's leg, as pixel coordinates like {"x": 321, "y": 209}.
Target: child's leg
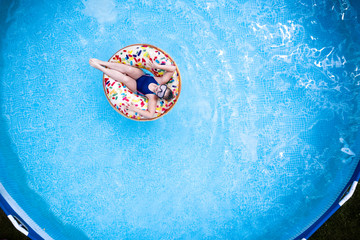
{"x": 116, "y": 75}
{"x": 132, "y": 72}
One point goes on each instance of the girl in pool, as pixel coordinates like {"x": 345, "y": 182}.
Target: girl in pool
{"x": 137, "y": 81}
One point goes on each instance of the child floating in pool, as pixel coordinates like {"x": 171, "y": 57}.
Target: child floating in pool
{"x": 137, "y": 81}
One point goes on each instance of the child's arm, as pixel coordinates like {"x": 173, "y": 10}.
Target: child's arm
{"x": 150, "y": 112}
{"x": 168, "y": 68}
{"x": 169, "y": 72}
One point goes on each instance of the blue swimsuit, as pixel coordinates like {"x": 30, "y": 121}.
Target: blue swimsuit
{"x": 143, "y": 82}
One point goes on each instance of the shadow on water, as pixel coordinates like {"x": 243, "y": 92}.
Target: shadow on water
{"x": 10, "y": 166}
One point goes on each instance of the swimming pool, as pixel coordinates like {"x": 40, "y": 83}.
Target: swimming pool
{"x": 261, "y": 143}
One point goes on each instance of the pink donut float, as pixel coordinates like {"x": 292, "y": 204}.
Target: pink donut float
{"x": 119, "y": 95}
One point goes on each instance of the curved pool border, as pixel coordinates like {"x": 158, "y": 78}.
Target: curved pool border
{"x": 28, "y": 227}
{"x": 345, "y": 195}
{"x": 23, "y": 223}
{"x": 18, "y": 217}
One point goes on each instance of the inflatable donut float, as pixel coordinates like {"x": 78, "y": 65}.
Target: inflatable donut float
{"x": 139, "y": 55}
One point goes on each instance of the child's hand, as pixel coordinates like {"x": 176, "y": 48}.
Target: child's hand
{"x": 153, "y": 65}
{"x": 129, "y": 106}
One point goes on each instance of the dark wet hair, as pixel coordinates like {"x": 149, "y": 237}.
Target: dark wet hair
{"x": 169, "y": 95}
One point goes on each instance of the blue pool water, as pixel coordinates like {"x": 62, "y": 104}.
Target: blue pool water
{"x": 260, "y": 144}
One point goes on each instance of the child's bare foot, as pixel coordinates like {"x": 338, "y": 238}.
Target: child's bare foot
{"x": 94, "y": 63}
{"x": 102, "y": 63}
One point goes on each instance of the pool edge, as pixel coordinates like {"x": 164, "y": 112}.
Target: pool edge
{"x": 334, "y": 207}
{"x": 11, "y": 208}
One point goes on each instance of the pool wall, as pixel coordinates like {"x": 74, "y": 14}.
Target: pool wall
{"x": 11, "y": 208}
{"x": 7, "y": 203}
{"x": 347, "y": 192}
{"x": 27, "y": 226}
